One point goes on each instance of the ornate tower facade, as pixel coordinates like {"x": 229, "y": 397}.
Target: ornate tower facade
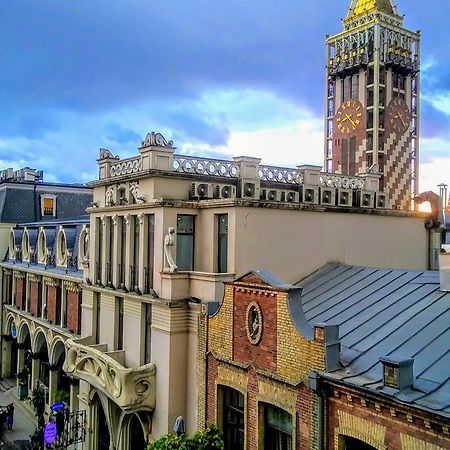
{"x": 372, "y": 99}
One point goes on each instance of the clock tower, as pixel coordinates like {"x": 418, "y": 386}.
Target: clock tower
{"x": 372, "y": 99}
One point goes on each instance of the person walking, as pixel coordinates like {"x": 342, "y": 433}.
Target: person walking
{"x": 10, "y": 416}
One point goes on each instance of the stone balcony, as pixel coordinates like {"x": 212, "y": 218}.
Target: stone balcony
{"x": 132, "y": 389}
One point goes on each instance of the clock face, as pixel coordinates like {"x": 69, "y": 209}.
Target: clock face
{"x": 349, "y": 116}
{"x": 399, "y": 115}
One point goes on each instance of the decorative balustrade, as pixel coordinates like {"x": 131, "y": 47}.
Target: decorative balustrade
{"x": 130, "y": 389}
{"x": 341, "y": 181}
{"x": 205, "y": 166}
{"x": 280, "y": 175}
{"x": 126, "y": 166}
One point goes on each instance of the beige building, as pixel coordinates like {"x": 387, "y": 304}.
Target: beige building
{"x": 166, "y": 231}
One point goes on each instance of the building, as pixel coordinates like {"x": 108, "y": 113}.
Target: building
{"x": 372, "y": 98}
{"x": 166, "y": 231}
{"x": 349, "y": 358}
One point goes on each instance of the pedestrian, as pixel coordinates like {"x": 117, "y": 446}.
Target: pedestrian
{"x": 10, "y": 416}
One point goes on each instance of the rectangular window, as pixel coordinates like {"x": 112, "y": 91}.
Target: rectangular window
{"x": 64, "y": 298}
{"x": 222, "y": 243}
{"x": 148, "y": 333}
{"x": 347, "y": 88}
{"x": 136, "y": 252}
{"x": 43, "y": 301}
{"x": 344, "y": 160}
{"x": 48, "y": 206}
{"x": 109, "y": 265}
{"x": 98, "y": 268}
{"x": 355, "y": 80}
{"x": 185, "y": 242}
{"x": 277, "y": 428}
{"x": 233, "y": 418}
{"x": 123, "y": 251}
{"x": 150, "y": 252}
{"x": 119, "y": 322}
{"x": 352, "y": 156}
{"x": 58, "y": 305}
{"x": 97, "y": 316}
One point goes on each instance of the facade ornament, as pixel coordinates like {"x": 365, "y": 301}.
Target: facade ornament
{"x": 114, "y": 220}
{"x": 7, "y": 271}
{"x": 72, "y": 286}
{"x": 105, "y": 154}
{"x": 109, "y": 196}
{"x": 50, "y": 281}
{"x": 18, "y": 274}
{"x": 126, "y": 220}
{"x": 156, "y": 140}
{"x": 103, "y": 221}
{"x": 169, "y": 243}
{"x": 34, "y": 277}
{"x": 254, "y": 323}
{"x": 134, "y": 189}
{"x": 140, "y": 218}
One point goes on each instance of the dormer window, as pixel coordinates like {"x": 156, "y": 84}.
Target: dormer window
{"x": 42, "y": 247}
{"x": 61, "y": 252}
{"x": 48, "y": 205}
{"x": 26, "y": 250}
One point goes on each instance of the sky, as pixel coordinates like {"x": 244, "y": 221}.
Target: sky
{"x": 220, "y": 78}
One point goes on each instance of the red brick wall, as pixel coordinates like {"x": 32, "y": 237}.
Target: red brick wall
{"x": 211, "y": 394}
{"x": 395, "y": 425}
{"x": 34, "y": 298}
{"x": 73, "y": 311}
{"x": 20, "y": 293}
{"x": 52, "y": 303}
{"x": 264, "y": 354}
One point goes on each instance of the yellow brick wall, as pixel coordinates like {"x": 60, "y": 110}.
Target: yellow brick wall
{"x": 220, "y": 327}
{"x": 367, "y": 431}
{"x": 296, "y": 356}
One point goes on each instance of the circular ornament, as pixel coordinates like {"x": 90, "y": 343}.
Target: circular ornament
{"x": 254, "y": 323}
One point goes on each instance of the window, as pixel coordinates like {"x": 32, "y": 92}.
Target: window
{"x": 355, "y": 444}
{"x": 185, "y": 242}
{"x": 134, "y": 269}
{"x": 44, "y": 301}
{"x": 64, "y": 297}
{"x": 119, "y": 322}
{"x": 48, "y": 205}
{"x": 123, "y": 252}
{"x": 347, "y": 88}
{"x": 98, "y": 268}
{"x": 58, "y": 305}
{"x": 148, "y": 333}
{"x": 233, "y": 418}
{"x": 222, "y": 243}
{"x": 277, "y": 428}
{"x": 355, "y": 79}
{"x": 97, "y": 316}
{"x": 150, "y": 252}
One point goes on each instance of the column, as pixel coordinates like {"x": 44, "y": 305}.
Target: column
{"x": 74, "y": 391}
{"x": 20, "y": 360}
{"x": 53, "y": 383}
{"x": 35, "y": 366}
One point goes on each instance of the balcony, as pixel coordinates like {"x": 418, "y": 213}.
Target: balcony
{"x": 131, "y": 389}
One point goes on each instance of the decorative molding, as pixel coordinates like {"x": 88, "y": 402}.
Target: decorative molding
{"x": 50, "y": 281}
{"x": 72, "y": 286}
{"x": 126, "y": 167}
{"x": 18, "y": 274}
{"x": 134, "y": 189}
{"x": 7, "y": 271}
{"x": 126, "y": 220}
{"x": 156, "y": 140}
{"x": 131, "y": 389}
{"x": 254, "y": 323}
{"x": 140, "y": 218}
{"x": 106, "y": 154}
{"x": 109, "y": 196}
{"x": 169, "y": 243}
{"x": 34, "y": 277}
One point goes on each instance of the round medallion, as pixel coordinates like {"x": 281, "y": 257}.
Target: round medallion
{"x": 349, "y": 116}
{"x": 254, "y": 324}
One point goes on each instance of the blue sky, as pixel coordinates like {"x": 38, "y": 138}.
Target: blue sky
{"x": 225, "y": 78}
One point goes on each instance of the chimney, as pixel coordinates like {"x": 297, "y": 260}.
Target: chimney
{"x": 397, "y": 372}
{"x": 444, "y": 268}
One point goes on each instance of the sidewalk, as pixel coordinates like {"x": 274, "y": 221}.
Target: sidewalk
{"x": 24, "y": 420}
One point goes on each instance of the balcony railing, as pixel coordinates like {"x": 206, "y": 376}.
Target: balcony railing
{"x": 131, "y": 389}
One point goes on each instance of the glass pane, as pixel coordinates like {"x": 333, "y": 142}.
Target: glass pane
{"x": 185, "y": 224}
{"x": 279, "y": 418}
{"x": 185, "y": 252}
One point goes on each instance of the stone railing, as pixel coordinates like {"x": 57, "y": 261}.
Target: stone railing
{"x": 205, "y": 166}
{"x": 126, "y": 166}
{"x": 130, "y": 389}
{"x": 280, "y": 175}
{"x": 341, "y": 181}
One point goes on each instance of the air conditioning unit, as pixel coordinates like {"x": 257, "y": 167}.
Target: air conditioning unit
{"x": 327, "y": 196}
{"x": 225, "y": 191}
{"x": 344, "y": 197}
{"x": 310, "y": 194}
{"x": 381, "y": 200}
{"x": 365, "y": 199}
{"x": 202, "y": 190}
{"x": 290, "y": 196}
{"x": 273, "y": 195}
{"x": 250, "y": 189}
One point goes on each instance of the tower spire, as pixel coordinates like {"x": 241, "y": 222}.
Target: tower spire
{"x": 360, "y": 7}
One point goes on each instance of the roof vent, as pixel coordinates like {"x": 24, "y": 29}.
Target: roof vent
{"x": 444, "y": 268}
{"x": 397, "y": 372}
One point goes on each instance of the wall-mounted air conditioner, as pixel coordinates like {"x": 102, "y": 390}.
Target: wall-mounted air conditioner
{"x": 381, "y": 200}
{"x": 202, "y": 190}
{"x": 344, "y": 197}
{"x": 327, "y": 196}
{"x": 250, "y": 189}
{"x": 290, "y": 197}
{"x": 309, "y": 194}
{"x": 224, "y": 191}
{"x": 365, "y": 199}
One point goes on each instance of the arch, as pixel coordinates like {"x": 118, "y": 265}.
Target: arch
{"x": 84, "y": 244}
{"x": 12, "y": 244}
{"x": 26, "y": 249}
{"x": 343, "y": 432}
{"x": 102, "y": 426}
{"x": 9, "y": 322}
{"x": 42, "y": 246}
{"x": 23, "y": 331}
{"x": 61, "y": 247}
{"x": 57, "y": 348}
{"x": 38, "y": 340}
{"x": 136, "y": 433}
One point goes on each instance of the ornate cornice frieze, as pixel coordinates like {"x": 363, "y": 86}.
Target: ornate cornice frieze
{"x": 130, "y": 389}
{"x": 50, "y": 281}
{"x": 18, "y": 274}
{"x": 35, "y": 277}
{"x": 7, "y": 271}
{"x": 72, "y": 286}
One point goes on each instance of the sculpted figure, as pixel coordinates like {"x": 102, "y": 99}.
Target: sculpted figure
{"x": 169, "y": 242}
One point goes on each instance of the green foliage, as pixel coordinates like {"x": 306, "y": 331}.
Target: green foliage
{"x": 210, "y": 439}
{"x": 38, "y": 399}
{"x": 61, "y": 396}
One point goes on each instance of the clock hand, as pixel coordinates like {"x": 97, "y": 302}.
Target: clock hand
{"x": 400, "y": 116}
{"x": 349, "y": 118}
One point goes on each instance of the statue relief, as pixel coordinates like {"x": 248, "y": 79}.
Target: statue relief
{"x": 254, "y": 323}
{"x": 169, "y": 243}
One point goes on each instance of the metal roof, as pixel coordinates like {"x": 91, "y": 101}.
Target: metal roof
{"x": 382, "y": 313}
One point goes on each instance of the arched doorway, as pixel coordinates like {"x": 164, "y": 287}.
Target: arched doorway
{"x": 103, "y": 435}
{"x": 41, "y": 354}
{"x": 62, "y": 379}
{"x": 137, "y": 438}
{"x": 351, "y": 443}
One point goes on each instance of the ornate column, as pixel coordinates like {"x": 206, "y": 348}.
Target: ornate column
{"x": 74, "y": 391}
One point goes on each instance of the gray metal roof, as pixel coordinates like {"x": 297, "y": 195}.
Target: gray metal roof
{"x": 382, "y": 312}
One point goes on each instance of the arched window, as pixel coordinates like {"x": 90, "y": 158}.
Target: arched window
{"x": 231, "y": 412}
{"x": 26, "y": 245}
{"x": 42, "y": 247}
{"x": 61, "y": 249}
